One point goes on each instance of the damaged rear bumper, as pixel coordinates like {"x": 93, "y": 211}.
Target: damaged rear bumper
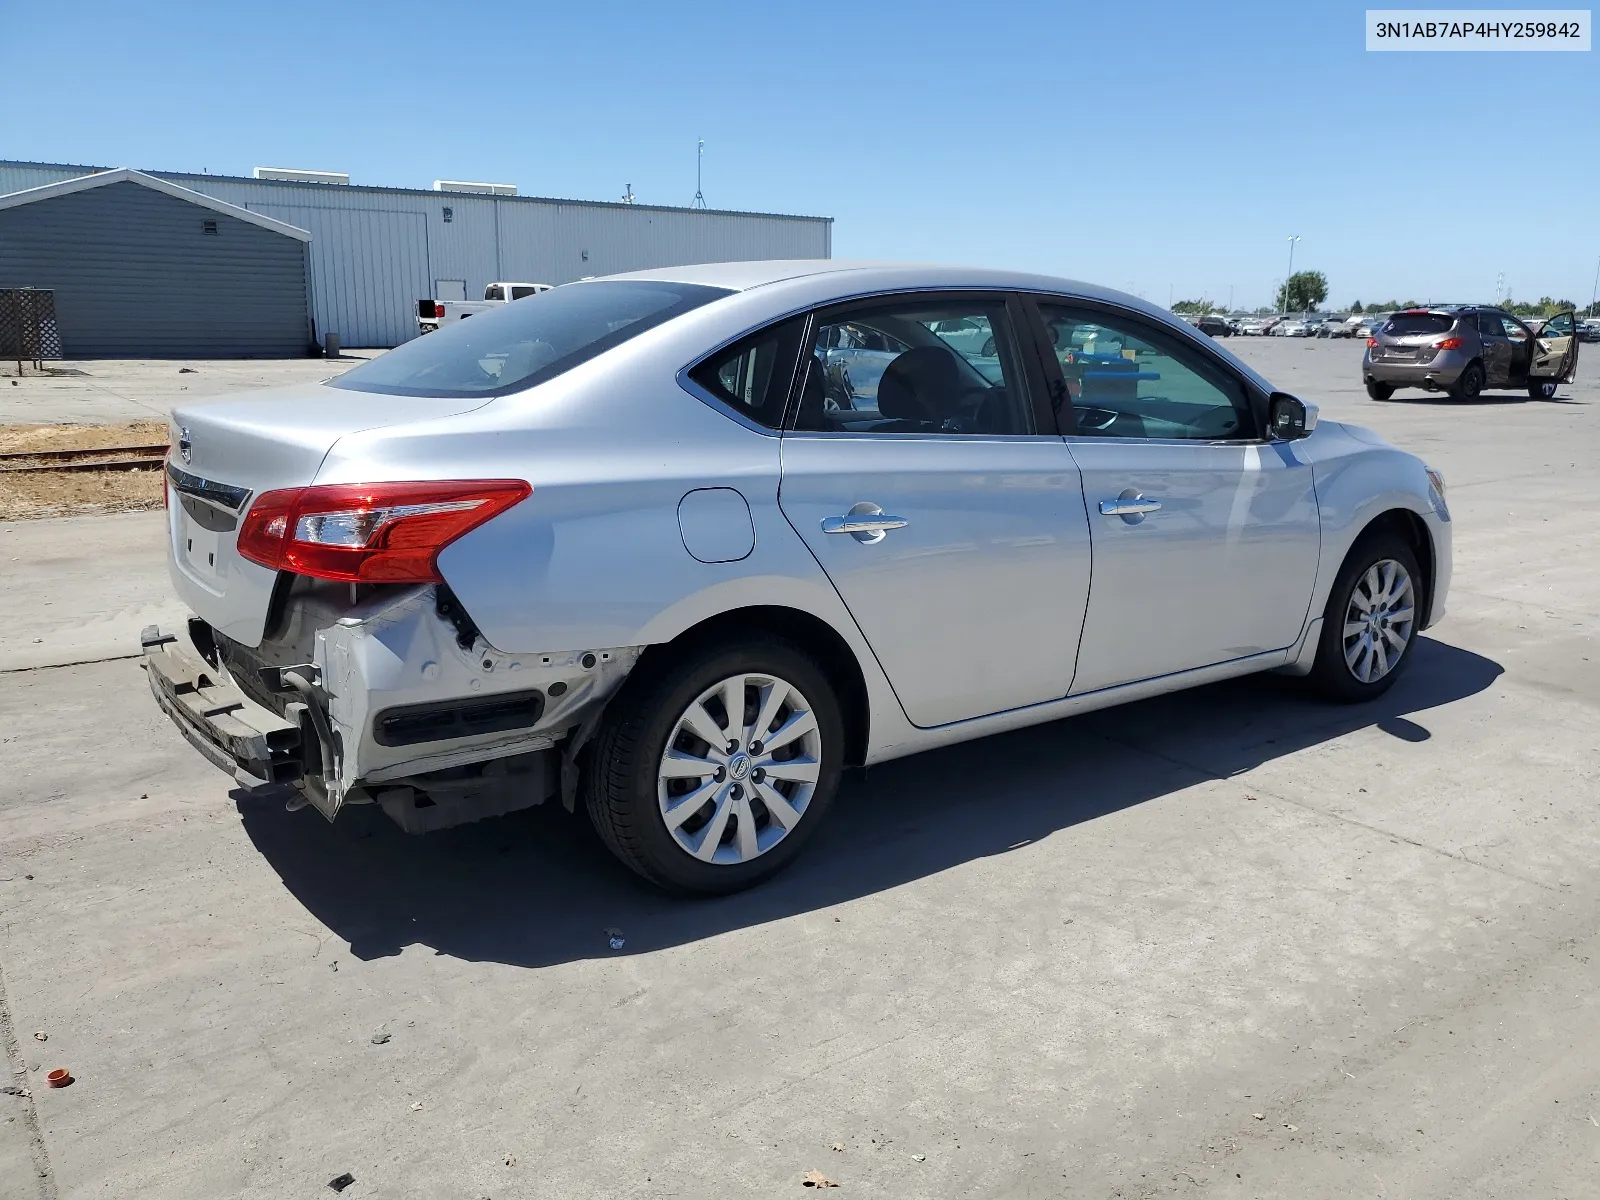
{"x": 255, "y": 746}
{"x": 392, "y": 698}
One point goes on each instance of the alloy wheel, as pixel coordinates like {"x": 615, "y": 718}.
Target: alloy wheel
{"x": 1379, "y": 620}
{"x": 739, "y": 769}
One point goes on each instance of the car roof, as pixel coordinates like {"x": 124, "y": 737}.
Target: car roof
{"x": 771, "y": 289}
{"x": 863, "y": 276}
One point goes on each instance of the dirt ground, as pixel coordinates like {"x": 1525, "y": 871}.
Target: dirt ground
{"x": 25, "y": 495}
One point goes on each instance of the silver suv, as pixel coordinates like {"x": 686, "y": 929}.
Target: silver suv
{"x": 1463, "y": 350}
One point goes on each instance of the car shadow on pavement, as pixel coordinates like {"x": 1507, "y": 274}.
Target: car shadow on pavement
{"x": 1481, "y": 400}
{"x": 536, "y": 888}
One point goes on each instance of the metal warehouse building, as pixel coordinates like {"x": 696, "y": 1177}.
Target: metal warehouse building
{"x": 369, "y": 253}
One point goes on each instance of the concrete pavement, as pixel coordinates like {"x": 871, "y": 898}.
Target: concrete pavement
{"x": 102, "y": 391}
{"x": 1075, "y": 960}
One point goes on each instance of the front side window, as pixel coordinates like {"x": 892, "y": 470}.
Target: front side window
{"x": 1129, "y": 380}
{"x": 1515, "y": 329}
{"x": 920, "y": 366}
{"x": 752, "y": 377}
{"x": 1557, "y": 326}
{"x": 526, "y": 343}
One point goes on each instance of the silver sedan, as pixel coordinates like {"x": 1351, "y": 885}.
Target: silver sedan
{"x": 680, "y": 546}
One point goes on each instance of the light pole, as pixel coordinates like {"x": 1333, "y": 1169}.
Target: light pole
{"x": 1293, "y": 238}
{"x": 1594, "y": 293}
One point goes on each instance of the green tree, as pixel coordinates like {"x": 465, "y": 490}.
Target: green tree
{"x": 1356, "y": 310}
{"x": 1303, "y": 291}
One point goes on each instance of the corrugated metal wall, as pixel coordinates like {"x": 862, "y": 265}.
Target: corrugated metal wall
{"x": 371, "y": 265}
{"x": 17, "y": 177}
{"x": 136, "y": 276}
{"x": 368, "y": 269}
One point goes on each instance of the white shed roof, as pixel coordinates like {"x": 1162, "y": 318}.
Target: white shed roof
{"x": 128, "y": 175}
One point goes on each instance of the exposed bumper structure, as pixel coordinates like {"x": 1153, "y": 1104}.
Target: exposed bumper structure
{"x": 393, "y": 699}
{"x": 255, "y": 746}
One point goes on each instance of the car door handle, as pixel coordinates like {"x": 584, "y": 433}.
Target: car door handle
{"x": 1135, "y": 507}
{"x": 878, "y": 523}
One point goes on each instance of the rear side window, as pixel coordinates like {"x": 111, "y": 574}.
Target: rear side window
{"x": 523, "y": 344}
{"x": 517, "y": 293}
{"x": 753, "y": 376}
{"x": 494, "y": 292}
{"x": 1407, "y": 324}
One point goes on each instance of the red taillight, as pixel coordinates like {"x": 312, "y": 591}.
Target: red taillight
{"x": 370, "y": 533}
{"x": 1372, "y": 341}
{"x": 1447, "y": 344}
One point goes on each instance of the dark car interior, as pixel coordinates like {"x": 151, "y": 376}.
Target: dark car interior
{"x": 922, "y": 384}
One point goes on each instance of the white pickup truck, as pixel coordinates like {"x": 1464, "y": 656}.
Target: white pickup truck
{"x": 433, "y": 313}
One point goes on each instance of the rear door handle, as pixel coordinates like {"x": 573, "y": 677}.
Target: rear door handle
{"x": 865, "y": 522}
{"x": 881, "y": 524}
{"x": 1135, "y": 507}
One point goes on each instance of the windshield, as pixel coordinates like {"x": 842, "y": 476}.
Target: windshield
{"x": 528, "y": 342}
{"x": 1406, "y": 324}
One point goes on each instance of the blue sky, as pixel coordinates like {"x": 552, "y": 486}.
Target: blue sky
{"x": 1150, "y": 146}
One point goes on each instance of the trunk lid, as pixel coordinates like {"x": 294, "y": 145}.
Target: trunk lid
{"x": 227, "y": 452}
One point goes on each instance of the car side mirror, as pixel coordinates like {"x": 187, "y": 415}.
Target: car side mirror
{"x": 1289, "y": 417}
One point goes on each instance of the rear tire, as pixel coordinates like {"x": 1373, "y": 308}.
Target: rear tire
{"x": 1468, "y": 384}
{"x": 1380, "y": 391}
{"x": 1543, "y": 389}
{"x": 1363, "y": 646}
{"x": 646, "y": 765}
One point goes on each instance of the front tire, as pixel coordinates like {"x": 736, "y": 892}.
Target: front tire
{"x": 1371, "y": 622}
{"x": 701, "y": 799}
{"x": 1379, "y": 391}
{"x": 1543, "y": 389}
{"x": 1469, "y": 384}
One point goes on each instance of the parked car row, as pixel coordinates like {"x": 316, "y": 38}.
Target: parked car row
{"x": 1308, "y": 325}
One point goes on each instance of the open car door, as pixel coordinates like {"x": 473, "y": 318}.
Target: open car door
{"x": 1555, "y": 355}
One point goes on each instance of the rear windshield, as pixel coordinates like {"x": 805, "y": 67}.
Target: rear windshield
{"x": 528, "y": 342}
{"x": 1404, "y": 324}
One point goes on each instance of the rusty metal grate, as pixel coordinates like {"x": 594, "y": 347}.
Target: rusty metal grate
{"x": 28, "y": 330}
